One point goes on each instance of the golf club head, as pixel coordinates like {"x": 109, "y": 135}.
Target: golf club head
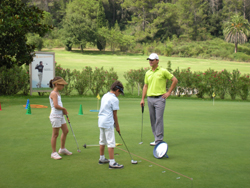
{"x": 84, "y": 146}
{"x": 141, "y": 143}
{"x": 79, "y": 151}
{"x": 133, "y": 162}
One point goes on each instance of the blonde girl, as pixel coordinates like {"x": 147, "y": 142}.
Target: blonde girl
{"x": 56, "y": 117}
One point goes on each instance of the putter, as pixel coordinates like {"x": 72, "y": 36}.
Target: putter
{"x": 85, "y": 145}
{"x": 73, "y": 134}
{"x": 142, "y": 110}
{"x": 132, "y": 161}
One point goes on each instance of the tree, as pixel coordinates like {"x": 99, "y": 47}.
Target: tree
{"x": 77, "y": 29}
{"x": 101, "y": 22}
{"x": 16, "y": 20}
{"x": 193, "y": 18}
{"x": 79, "y": 23}
{"x": 236, "y": 30}
{"x": 165, "y": 24}
{"x": 142, "y": 17}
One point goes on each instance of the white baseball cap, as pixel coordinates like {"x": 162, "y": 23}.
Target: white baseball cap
{"x": 153, "y": 56}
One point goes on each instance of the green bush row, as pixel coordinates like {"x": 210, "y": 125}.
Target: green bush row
{"x": 98, "y": 81}
{"x": 197, "y": 83}
{"x": 212, "y": 82}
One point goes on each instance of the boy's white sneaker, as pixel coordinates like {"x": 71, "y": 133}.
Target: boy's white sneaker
{"x": 64, "y": 152}
{"x": 115, "y": 166}
{"x": 55, "y": 155}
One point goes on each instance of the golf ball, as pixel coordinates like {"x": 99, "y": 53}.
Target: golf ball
{"x": 150, "y": 165}
{"x": 163, "y": 171}
{"x": 178, "y": 178}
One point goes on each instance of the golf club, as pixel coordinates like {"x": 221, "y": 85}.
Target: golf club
{"x": 142, "y": 110}
{"x": 78, "y": 150}
{"x": 85, "y": 145}
{"x": 132, "y": 161}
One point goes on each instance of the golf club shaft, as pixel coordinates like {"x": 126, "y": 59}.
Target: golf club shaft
{"x": 125, "y": 145}
{"x": 72, "y": 132}
{"x": 142, "y": 110}
{"x": 92, "y": 145}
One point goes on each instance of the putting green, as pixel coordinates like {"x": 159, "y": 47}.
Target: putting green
{"x": 207, "y": 142}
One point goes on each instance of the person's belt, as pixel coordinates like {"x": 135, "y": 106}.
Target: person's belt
{"x": 155, "y": 96}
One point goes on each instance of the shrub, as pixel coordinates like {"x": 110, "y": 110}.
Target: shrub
{"x": 210, "y": 77}
{"x": 200, "y": 84}
{"x": 13, "y": 80}
{"x": 26, "y": 84}
{"x": 244, "y": 85}
{"x": 185, "y": 82}
{"x": 68, "y": 76}
{"x": 110, "y": 78}
{"x": 234, "y": 84}
{"x": 36, "y": 40}
{"x": 82, "y": 80}
{"x": 135, "y": 79}
{"x": 240, "y": 56}
{"x": 222, "y": 84}
{"x": 97, "y": 80}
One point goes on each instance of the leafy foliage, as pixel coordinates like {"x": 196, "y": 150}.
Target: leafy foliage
{"x": 68, "y": 76}
{"x": 16, "y": 20}
{"x": 82, "y": 82}
{"x": 135, "y": 79}
{"x": 14, "y": 80}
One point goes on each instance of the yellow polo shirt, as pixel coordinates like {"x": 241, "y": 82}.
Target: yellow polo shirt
{"x": 156, "y": 81}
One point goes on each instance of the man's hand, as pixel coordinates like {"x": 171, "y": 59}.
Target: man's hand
{"x": 142, "y": 103}
{"x": 166, "y": 95}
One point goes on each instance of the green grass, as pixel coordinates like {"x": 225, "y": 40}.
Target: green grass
{"x": 122, "y": 63}
{"x": 209, "y": 143}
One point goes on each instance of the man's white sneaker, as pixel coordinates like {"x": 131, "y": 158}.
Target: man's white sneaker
{"x": 64, "y": 151}
{"x": 152, "y": 143}
{"x": 55, "y": 155}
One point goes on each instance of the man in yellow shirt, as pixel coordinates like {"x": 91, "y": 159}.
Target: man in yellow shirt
{"x": 155, "y": 89}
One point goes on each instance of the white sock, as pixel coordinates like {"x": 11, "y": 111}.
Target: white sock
{"x": 111, "y": 161}
{"x": 102, "y": 157}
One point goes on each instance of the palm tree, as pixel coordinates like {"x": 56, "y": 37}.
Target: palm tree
{"x": 236, "y": 30}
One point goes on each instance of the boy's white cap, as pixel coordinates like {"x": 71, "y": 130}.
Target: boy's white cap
{"x": 153, "y": 56}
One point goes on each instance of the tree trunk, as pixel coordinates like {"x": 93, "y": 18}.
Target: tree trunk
{"x": 235, "y": 47}
{"x": 81, "y": 48}
{"x": 143, "y": 20}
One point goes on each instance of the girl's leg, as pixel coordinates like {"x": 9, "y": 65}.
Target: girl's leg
{"x": 64, "y": 135}
{"x": 55, "y": 133}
